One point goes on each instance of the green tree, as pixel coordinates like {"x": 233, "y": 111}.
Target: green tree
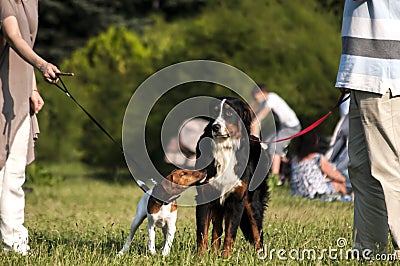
{"x": 107, "y": 71}
{"x": 67, "y": 25}
{"x": 335, "y": 6}
{"x": 292, "y": 46}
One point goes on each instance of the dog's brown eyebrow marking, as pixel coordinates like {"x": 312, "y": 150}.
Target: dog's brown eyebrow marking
{"x": 235, "y": 129}
{"x": 174, "y": 206}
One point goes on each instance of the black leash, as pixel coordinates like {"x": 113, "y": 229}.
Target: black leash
{"x": 64, "y": 89}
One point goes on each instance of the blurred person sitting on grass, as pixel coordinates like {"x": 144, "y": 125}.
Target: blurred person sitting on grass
{"x": 19, "y": 102}
{"x": 312, "y": 175}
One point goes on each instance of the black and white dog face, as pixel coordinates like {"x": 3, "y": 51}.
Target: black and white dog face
{"x": 231, "y": 118}
{"x": 227, "y": 156}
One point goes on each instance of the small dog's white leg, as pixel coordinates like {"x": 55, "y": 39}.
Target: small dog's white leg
{"x": 169, "y": 233}
{"x": 141, "y": 214}
{"x": 166, "y": 248}
{"x": 151, "y": 228}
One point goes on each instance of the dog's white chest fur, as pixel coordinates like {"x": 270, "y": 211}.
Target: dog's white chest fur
{"x": 225, "y": 179}
{"x": 163, "y": 216}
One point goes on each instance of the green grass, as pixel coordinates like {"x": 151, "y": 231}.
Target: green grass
{"x": 84, "y": 221}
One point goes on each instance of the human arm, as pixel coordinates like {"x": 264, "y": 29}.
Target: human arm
{"x": 36, "y": 100}
{"x": 330, "y": 171}
{"x": 260, "y": 115}
{"x": 263, "y": 112}
{"x": 13, "y": 36}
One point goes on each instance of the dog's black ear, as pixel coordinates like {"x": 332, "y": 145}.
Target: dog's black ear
{"x": 247, "y": 115}
{"x": 160, "y": 192}
{"x": 167, "y": 191}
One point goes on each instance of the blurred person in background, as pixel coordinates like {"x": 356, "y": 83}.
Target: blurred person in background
{"x": 337, "y": 153}
{"x": 286, "y": 125}
{"x": 312, "y": 176}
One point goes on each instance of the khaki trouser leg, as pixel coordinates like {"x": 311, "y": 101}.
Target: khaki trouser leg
{"x": 12, "y": 198}
{"x": 374, "y": 168}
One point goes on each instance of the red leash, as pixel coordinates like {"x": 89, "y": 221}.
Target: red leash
{"x": 341, "y": 100}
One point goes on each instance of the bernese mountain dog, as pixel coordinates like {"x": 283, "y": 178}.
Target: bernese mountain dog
{"x": 236, "y": 189}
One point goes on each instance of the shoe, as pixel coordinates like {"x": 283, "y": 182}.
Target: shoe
{"x": 331, "y": 197}
{"x": 22, "y": 249}
{"x": 347, "y": 198}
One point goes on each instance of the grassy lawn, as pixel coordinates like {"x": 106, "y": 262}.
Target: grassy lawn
{"x": 85, "y": 221}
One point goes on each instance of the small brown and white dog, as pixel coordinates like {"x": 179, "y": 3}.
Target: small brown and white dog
{"x": 160, "y": 207}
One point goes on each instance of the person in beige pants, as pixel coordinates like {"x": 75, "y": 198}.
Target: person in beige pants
{"x": 374, "y": 170}
{"x": 370, "y": 70}
{"x": 19, "y": 101}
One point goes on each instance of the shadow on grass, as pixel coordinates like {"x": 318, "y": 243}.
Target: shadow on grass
{"x": 90, "y": 242}
{"x": 106, "y": 245}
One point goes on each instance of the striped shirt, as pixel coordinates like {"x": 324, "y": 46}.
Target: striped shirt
{"x": 370, "y": 59}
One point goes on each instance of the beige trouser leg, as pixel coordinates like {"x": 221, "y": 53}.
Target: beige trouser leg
{"x": 374, "y": 135}
{"x": 12, "y": 198}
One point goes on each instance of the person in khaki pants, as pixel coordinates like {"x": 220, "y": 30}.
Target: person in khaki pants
{"x": 370, "y": 70}
{"x": 19, "y": 101}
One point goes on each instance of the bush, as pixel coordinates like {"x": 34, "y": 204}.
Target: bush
{"x": 39, "y": 175}
{"x": 291, "y": 46}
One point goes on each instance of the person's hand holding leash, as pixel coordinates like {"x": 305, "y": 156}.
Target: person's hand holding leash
{"x": 49, "y": 72}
